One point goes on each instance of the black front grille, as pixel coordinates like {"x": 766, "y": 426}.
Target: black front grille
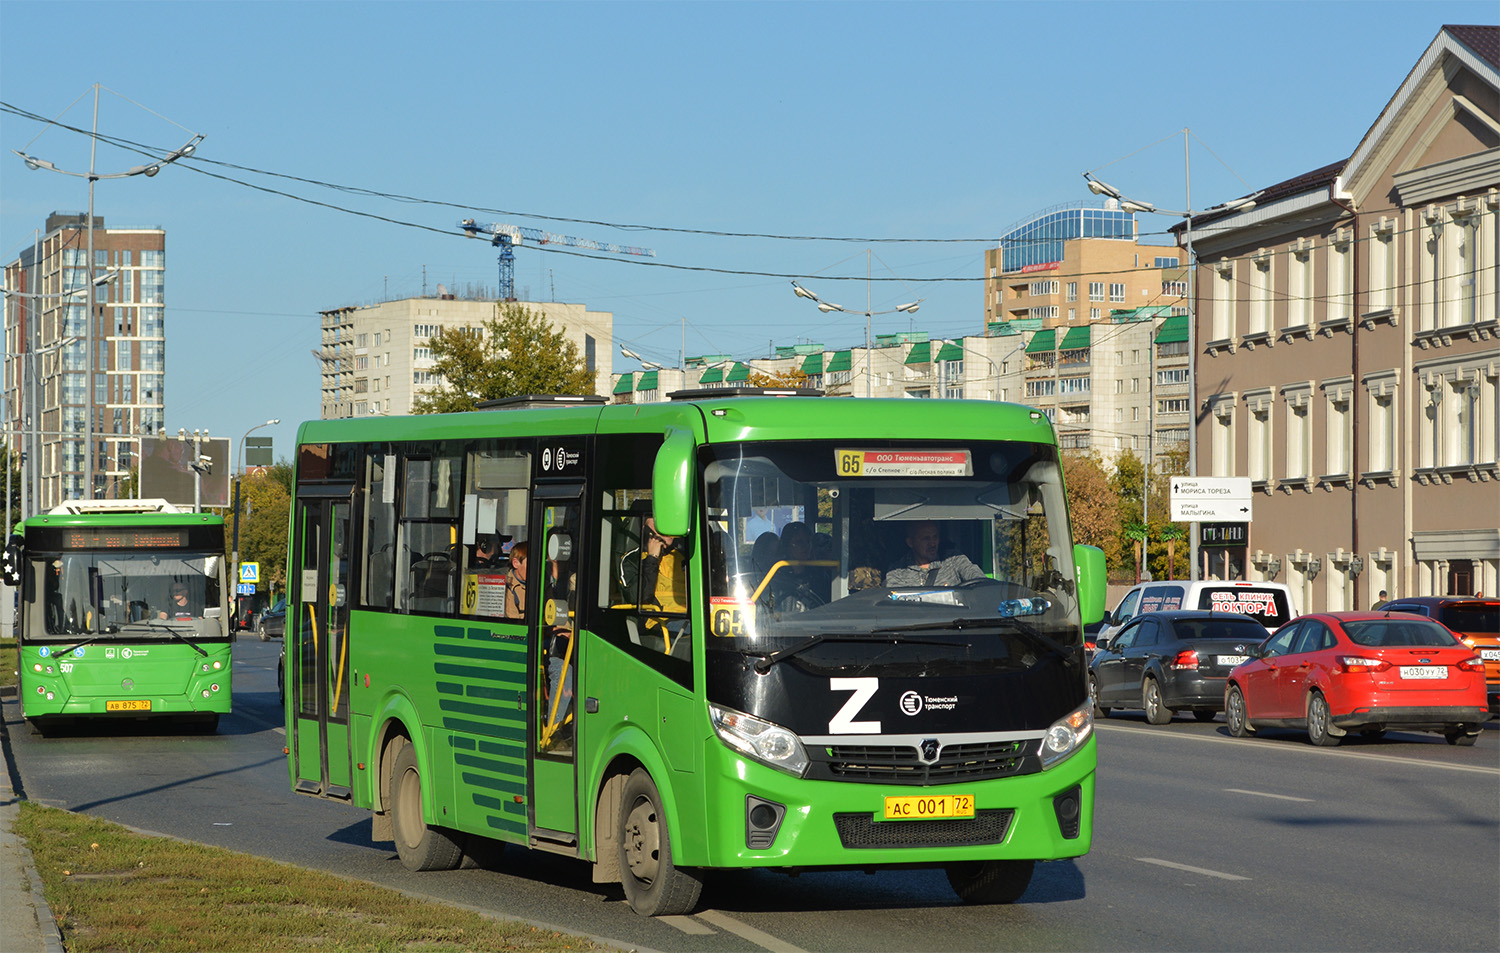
{"x": 900, "y": 764}
{"x": 862, "y": 831}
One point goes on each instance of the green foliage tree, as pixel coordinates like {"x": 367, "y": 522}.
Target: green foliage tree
{"x": 265, "y": 508}
{"x": 13, "y": 467}
{"x": 792, "y": 377}
{"x": 1092, "y": 504}
{"x": 517, "y": 352}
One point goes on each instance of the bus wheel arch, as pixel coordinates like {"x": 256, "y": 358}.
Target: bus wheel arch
{"x": 607, "y": 819}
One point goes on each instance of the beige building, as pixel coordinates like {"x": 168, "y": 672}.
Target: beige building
{"x": 1348, "y": 351}
{"x": 375, "y": 360}
{"x": 48, "y": 392}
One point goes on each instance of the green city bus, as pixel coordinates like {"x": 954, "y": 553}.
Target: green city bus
{"x": 787, "y": 694}
{"x": 122, "y": 613}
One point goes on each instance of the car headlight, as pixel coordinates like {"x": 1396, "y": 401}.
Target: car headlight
{"x": 767, "y": 743}
{"x": 1067, "y": 735}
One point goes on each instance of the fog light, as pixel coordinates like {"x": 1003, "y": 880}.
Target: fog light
{"x": 1068, "y": 806}
{"x": 762, "y": 821}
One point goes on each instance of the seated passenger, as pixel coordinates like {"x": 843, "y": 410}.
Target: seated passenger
{"x": 922, "y": 567}
{"x": 799, "y": 586}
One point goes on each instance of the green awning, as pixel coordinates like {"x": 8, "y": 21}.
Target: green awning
{"x": 648, "y": 381}
{"x": 950, "y": 352}
{"x": 1173, "y": 329}
{"x": 1043, "y": 341}
{"x": 813, "y": 364}
{"x": 738, "y": 373}
{"x": 1075, "y": 339}
{"x": 840, "y": 362}
{"x": 921, "y": 353}
{"x": 625, "y": 384}
{"x": 713, "y": 375}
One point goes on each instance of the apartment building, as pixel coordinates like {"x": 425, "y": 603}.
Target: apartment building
{"x": 1348, "y": 349}
{"x": 55, "y": 409}
{"x": 377, "y": 359}
{"x": 1072, "y": 265}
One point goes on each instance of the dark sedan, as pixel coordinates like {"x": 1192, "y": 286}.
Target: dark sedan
{"x": 1166, "y": 662}
{"x": 272, "y": 622}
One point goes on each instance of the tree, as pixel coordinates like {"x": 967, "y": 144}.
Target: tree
{"x": 517, "y": 352}
{"x": 265, "y": 507}
{"x": 792, "y": 377}
{"x": 1092, "y": 503}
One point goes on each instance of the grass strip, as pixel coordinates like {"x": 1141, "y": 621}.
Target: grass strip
{"x": 113, "y": 889}
{"x": 8, "y": 656}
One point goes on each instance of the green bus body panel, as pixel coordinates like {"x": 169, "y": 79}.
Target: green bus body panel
{"x": 82, "y": 682}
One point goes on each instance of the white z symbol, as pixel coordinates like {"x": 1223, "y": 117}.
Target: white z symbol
{"x": 863, "y": 689}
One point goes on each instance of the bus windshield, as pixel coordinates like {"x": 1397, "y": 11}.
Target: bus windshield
{"x": 125, "y": 594}
{"x": 963, "y": 545}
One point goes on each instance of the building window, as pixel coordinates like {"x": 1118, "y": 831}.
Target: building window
{"x": 1382, "y": 266}
{"x": 1223, "y": 301}
{"x": 1339, "y": 436}
{"x": 1117, "y": 291}
{"x": 1096, "y": 291}
{"x": 1093, "y": 314}
{"x": 1168, "y": 262}
{"x": 1173, "y": 405}
{"x": 1044, "y": 287}
{"x": 1298, "y": 438}
{"x": 1222, "y": 437}
{"x": 1382, "y": 431}
{"x": 1341, "y": 277}
{"x": 1042, "y": 388}
{"x": 1467, "y": 259}
{"x": 1072, "y": 291}
{"x": 1174, "y": 289}
{"x": 1299, "y": 288}
{"x": 1172, "y": 376}
{"x": 1260, "y": 295}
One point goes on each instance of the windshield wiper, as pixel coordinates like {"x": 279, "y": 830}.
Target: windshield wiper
{"x": 1029, "y": 631}
{"x": 763, "y": 664}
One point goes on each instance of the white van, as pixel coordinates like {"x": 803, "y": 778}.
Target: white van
{"x": 1269, "y": 603}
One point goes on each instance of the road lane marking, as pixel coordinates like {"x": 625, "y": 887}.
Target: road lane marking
{"x": 1275, "y": 745}
{"x": 1192, "y": 870}
{"x": 1279, "y": 797}
{"x": 686, "y": 925}
{"x": 747, "y": 932}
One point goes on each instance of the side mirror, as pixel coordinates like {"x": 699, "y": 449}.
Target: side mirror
{"x": 672, "y": 484}
{"x": 1088, "y": 563}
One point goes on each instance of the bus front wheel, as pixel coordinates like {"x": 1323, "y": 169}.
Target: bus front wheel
{"x": 419, "y": 846}
{"x": 990, "y": 881}
{"x": 654, "y": 885}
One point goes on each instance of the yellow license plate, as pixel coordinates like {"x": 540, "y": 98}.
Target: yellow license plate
{"x": 130, "y": 704}
{"x": 924, "y": 807}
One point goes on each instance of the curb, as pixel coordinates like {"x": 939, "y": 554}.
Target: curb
{"x": 51, "y": 936}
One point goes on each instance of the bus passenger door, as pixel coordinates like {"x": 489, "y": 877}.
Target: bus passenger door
{"x": 555, "y": 554}
{"x": 317, "y": 646}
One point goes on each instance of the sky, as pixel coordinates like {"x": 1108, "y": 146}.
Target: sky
{"x": 747, "y": 144}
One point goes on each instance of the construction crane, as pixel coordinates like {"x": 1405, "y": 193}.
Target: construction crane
{"x": 507, "y": 236}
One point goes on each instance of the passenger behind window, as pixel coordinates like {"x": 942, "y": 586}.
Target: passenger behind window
{"x": 515, "y": 586}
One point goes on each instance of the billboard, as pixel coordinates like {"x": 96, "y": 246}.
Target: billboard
{"x": 167, "y": 472}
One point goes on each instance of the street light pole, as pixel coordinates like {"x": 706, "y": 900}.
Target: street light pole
{"x": 148, "y": 170}
{"x": 910, "y": 307}
{"x": 1130, "y": 205}
{"x": 234, "y": 554}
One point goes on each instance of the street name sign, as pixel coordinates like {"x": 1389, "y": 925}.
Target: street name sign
{"x": 1216, "y": 499}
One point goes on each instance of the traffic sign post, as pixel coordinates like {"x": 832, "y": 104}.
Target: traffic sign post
{"x": 1211, "y": 499}
{"x": 250, "y": 572}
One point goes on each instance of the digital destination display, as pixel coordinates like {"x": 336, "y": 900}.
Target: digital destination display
{"x": 124, "y": 537}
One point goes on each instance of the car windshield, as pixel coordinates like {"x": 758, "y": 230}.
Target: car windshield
{"x": 99, "y": 595}
{"x": 965, "y": 546}
{"x": 1394, "y": 633}
{"x": 1475, "y": 617}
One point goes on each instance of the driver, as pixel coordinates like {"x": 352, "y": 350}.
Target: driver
{"x": 922, "y": 567}
{"x": 178, "y": 607}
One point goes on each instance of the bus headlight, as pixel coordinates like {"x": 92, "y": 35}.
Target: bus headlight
{"x": 1067, "y": 735}
{"x": 769, "y": 744}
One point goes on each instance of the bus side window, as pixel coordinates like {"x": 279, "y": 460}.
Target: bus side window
{"x": 496, "y": 497}
{"x": 427, "y": 542}
{"x": 648, "y": 620}
{"x": 379, "y": 555}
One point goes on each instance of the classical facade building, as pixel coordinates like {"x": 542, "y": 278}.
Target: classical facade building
{"x": 1348, "y": 350}
{"x": 55, "y": 409}
{"x": 376, "y": 360}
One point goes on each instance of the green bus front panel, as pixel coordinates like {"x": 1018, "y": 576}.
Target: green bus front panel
{"x": 470, "y": 693}
{"x": 114, "y": 679}
{"x": 832, "y": 823}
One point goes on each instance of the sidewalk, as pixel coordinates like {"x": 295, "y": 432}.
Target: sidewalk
{"x": 26, "y": 924}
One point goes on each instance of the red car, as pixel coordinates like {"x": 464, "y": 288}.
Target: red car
{"x": 1366, "y": 672}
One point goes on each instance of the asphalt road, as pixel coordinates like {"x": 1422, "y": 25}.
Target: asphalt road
{"x": 1202, "y": 842}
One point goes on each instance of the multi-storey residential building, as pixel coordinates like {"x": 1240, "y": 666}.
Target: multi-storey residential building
{"x": 47, "y": 384}
{"x": 377, "y": 359}
{"x": 1348, "y": 350}
{"x": 1073, "y": 265}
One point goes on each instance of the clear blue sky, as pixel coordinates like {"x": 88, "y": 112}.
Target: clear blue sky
{"x": 861, "y": 120}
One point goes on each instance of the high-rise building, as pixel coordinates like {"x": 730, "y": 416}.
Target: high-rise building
{"x": 377, "y": 359}
{"x": 47, "y": 384}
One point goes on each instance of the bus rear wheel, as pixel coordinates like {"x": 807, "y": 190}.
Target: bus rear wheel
{"x": 990, "y": 881}
{"x": 419, "y": 846}
{"x": 654, "y": 885}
